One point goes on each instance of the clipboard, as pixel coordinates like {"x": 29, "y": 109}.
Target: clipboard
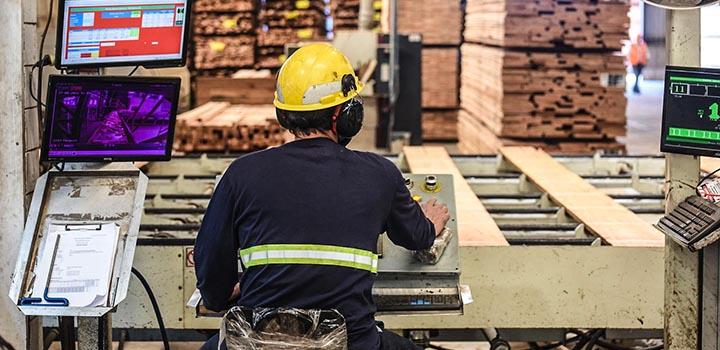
{"x": 85, "y": 261}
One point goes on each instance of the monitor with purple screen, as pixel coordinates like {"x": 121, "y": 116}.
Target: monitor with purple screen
{"x": 102, "y": 118}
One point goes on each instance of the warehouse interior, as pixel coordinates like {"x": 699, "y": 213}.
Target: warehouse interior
{"x": 573, "y": 143}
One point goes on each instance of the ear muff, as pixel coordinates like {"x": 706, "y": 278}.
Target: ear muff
{"x": 350, "y": 119}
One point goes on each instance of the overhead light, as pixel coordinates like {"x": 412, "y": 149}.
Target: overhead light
{"x": 681, "y": 4}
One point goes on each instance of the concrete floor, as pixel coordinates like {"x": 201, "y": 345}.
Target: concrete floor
{"x": 644, "y": 117}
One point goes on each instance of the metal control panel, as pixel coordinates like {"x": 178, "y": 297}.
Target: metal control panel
{"x": 407, "y": 284}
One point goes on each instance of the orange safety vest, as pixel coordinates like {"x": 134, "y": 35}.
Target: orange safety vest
{"x": 638, "y": 54}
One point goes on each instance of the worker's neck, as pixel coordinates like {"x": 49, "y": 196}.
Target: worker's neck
{"x": 316, "y": 135}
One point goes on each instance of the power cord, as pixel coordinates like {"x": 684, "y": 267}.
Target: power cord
{"x": 156, "y": 308}
{"x": 5, "y": 345}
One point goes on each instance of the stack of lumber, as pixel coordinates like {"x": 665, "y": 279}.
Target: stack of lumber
{"x": 440, "y": 125}
{"x": 556, "y": 82}
{"x": 224, "y": 52}
{"x": 224, "y": 36}
{"x": 222, "y": 127}
{"x": 582, "y": 24}
{"x": 440, "y": 77}
{"x": 345, "y": 14}
{"x": 439, "y": 22}
{"x": 286, "y": 22}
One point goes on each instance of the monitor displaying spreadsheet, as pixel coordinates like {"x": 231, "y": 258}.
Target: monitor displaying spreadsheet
{"x": 96, "y": 33}
{"x": 109, "y": 118}
{"x": 691, "y": 111}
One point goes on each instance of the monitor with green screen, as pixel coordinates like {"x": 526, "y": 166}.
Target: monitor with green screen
{"x": 691, "y": 111}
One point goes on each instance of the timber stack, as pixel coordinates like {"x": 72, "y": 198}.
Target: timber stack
{"x": 223, "y": 36}
{"x": 346, "y": 14}
{"x": 286, "y": 22}
{"x": 223, "y": 127}
{"x": 544, "y": 73}
{"x": 439, "y": 22}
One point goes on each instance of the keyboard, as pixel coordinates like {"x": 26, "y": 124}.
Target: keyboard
{"x": 693, "y": 223}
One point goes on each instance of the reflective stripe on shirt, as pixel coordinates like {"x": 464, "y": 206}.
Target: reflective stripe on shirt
{"x": 311, "y": 254}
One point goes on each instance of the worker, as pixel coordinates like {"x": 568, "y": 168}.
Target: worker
{"x": 638, "y": 58}
{"x": 315, "y": 206}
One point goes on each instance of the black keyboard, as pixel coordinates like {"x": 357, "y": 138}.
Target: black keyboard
{"x": 694, "y": 223}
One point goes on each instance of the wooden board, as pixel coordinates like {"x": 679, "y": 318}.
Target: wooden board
{"x": 611, "y": 221}
{"x": 577, "y": 24}
{"x": 253, "y": 91}
{"x": 475, "y": 225}
{"x": 440, "y": 77}
{"x": 708, "y": 165}
{"x": 439, "y": 21}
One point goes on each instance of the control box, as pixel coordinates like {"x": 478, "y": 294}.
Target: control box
{"x": 410, "y": 281}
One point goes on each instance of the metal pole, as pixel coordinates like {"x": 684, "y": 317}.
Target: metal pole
{"x": 95, "y": 333}
{"x": 682, "y": 268}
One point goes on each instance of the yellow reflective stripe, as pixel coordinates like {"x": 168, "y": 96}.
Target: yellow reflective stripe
{"x": 312, "y": 254}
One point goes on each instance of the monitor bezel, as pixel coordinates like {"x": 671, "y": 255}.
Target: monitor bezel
{"x": 168, "y": 63}
{"x": 687, "y": 150}
{"x": 50, "y": 106}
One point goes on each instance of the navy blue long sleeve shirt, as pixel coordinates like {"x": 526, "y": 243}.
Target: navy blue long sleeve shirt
{"x": 310, "y": 191}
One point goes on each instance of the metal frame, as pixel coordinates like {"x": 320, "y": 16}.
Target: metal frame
{"x": 555, "y": 275}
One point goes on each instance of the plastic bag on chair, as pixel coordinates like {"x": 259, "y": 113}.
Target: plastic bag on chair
{"x": 283, "y": 328}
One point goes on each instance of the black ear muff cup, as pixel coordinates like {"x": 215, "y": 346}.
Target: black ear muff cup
{"x": 350, "y": 120}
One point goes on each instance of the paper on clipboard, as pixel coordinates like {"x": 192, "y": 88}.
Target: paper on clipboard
{"x": 82, "y": 269}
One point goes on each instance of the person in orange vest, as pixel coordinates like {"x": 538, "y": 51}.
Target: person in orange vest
{"x": 638, "y": 59}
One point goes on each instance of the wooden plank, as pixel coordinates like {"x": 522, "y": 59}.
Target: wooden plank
{"x": 708, "y": 165}
{"x": 613, "y": 222}
{"x": 475, "y": 225}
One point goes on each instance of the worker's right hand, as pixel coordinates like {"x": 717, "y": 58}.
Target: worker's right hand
{"x": 437, "y": 213}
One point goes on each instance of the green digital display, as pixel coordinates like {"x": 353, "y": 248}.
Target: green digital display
{"x": 691, "y": 111}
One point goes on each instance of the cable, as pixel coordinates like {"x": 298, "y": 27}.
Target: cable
{"x": 133, "y": 71}
{"x": 4, "y": 344}
{"x": 156, "y": 308}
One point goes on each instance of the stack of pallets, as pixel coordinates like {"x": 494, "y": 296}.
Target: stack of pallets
{"x": 556, "y": 82}
{"x": 223, "y": 127}
{"x": 223, "y": 35}
{"x": 439, "y": 22}
{"x": 284, "y": 22}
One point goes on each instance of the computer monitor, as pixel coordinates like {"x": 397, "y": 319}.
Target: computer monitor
{"x": 98, "y": 33}
{"x": 691, "y": 111}
{"x": 107, "y": 118}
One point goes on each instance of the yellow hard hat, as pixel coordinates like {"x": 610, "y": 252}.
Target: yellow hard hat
{"x": 311, "y": 79}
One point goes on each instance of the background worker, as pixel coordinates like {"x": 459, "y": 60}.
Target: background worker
{"x": 311, "y": 199}
{"x": 638, "y": 58}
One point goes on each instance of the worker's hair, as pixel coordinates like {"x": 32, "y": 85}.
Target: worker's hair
{"x": 304, "y": 123}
